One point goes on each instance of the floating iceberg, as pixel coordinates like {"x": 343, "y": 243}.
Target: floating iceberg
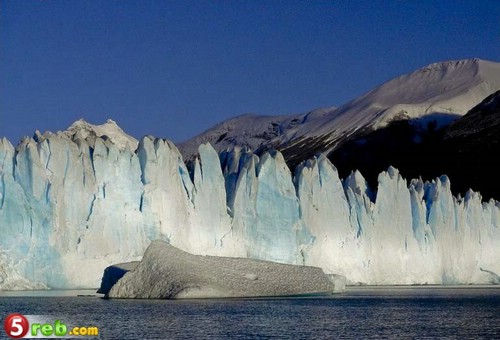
{"x": 166, "y": 272}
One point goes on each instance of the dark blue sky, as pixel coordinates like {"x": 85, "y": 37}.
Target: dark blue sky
{"x": 175, "y": 68}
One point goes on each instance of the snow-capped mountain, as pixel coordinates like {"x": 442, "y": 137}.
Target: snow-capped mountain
{"x": 249, "y": 130}
{"x": 437, "y": 93}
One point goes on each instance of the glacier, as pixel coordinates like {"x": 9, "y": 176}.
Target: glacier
{"x": 73, "y": 203}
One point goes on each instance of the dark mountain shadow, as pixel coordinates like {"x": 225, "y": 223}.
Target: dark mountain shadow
{"x": 407, "y": 146}
{"x": 471, "y": 146}
{"x": 467, "y": 150}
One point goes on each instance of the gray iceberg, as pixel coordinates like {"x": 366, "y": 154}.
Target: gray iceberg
{"x": 166, "y": 272}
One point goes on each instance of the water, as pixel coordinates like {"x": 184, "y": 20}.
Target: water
{"x": 361, "y": 312}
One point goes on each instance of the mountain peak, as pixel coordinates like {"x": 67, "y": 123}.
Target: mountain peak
{"x": 450, "y": 64}
{"x": 462, "y": 72}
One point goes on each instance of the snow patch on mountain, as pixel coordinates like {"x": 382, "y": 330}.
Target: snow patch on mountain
{"x": 249, "y": 130}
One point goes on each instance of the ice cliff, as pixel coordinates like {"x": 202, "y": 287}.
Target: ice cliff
{"x": 71, "y": 204}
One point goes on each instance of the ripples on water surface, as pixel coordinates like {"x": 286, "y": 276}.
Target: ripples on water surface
{"x": 361, "y": 312}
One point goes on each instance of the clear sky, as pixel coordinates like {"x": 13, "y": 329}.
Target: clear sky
{"x": 172, "y": 69}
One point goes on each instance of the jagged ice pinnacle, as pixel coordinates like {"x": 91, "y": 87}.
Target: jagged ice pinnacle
{"x": 72, "y": 203}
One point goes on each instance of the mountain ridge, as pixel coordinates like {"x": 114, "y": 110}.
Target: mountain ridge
{"x": 449, "y": 88}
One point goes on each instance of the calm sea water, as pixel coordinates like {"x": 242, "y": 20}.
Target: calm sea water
{"x": 361, "y": 312}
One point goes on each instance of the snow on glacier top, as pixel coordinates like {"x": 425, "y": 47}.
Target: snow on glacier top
{"x": 82, "y": 129}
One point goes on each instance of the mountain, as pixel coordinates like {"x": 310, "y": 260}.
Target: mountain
{"x": 465, "y": 150}
{"x": 471, "y": 146}
{"x": 72, "y": 205}
{"x": 390, "y": 125}
{"x": 481, "y": 124}
{"x": 249, "y": 130}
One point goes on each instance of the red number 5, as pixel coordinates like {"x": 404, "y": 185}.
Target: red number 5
{"x": 16, "y": 325}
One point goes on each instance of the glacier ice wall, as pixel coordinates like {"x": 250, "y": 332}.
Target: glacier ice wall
{"x": 71, "y": 206}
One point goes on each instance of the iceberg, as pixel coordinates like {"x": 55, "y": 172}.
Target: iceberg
{"x": 166, "y": 272}
{"x": 73, "y": 203}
